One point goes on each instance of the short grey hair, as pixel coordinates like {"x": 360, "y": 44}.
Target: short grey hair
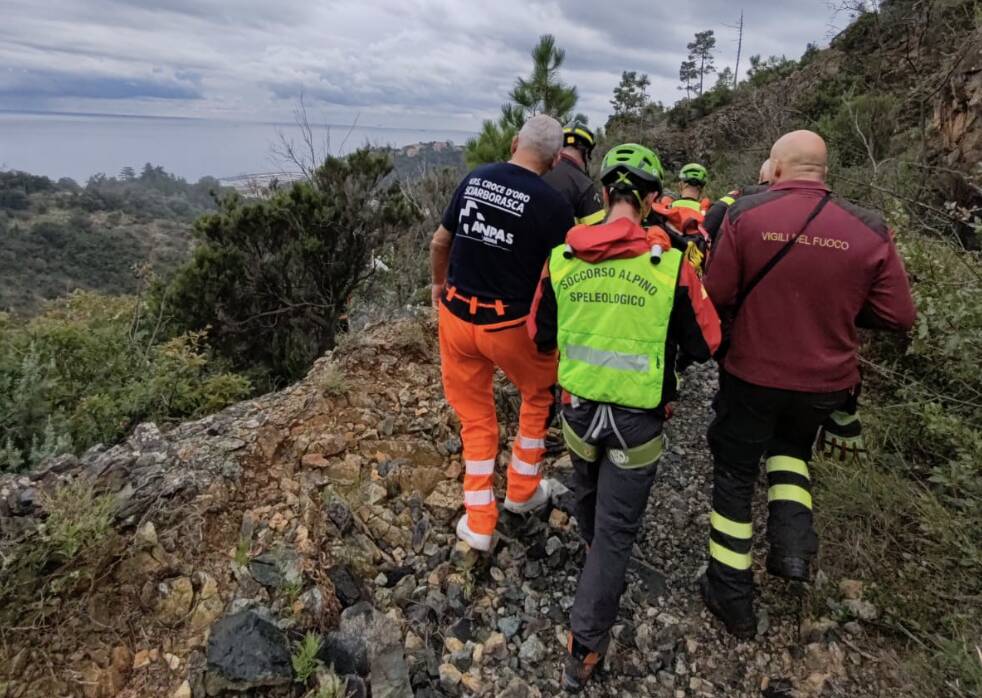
{"x": 543, "y": 136}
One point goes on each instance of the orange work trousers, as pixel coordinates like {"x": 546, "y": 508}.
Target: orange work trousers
{"x": 469, "y": 354}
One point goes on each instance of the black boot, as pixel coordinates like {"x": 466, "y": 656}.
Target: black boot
{"x": 740, "y": 623}
{"x": 795, "y": 569}
{"x": 581, "y": 663}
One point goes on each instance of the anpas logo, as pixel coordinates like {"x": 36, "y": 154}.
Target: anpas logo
{"x": 480, "y": 228}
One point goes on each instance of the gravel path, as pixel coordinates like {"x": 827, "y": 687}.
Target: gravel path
{"x": 665, "y": 643}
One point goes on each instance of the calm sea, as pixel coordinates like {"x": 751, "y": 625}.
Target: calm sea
{"x": 79, "y": 146}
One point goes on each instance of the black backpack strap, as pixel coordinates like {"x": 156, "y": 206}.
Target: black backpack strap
{"x": 773, "y": 261}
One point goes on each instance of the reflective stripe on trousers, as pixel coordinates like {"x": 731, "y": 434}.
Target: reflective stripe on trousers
{"x": 469, "y": 354}
{"x": 788, "y": 480}
{"x": 730, "y": 541}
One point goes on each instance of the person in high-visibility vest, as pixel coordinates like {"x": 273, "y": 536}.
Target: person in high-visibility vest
{"x": 692, "y": 181}
{"x": 682, "y": 217}
{"x": 624, "y": 309}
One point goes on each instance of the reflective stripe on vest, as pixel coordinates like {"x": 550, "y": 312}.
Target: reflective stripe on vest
{"x": 687, "y": 203}
{"x": 593, "y": 218}
{"x": 613, "y": 324}
{"x": 611, "y": 359}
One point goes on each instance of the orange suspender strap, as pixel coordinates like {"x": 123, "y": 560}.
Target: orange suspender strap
{"x": 473, "y": 302}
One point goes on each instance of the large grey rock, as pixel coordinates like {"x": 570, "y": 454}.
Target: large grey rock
{"x": 346, "y": 585}
{"x": 388, "y": 671}
{"x": 276, "y": 569}
{"x": 519, "y": 689}
{"x": 346, "y": 654}
{"x": 532, "y": 650}
{"x": 246, "y": 651}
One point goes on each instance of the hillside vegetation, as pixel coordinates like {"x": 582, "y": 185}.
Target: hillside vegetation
{"x": 57, "y": 237}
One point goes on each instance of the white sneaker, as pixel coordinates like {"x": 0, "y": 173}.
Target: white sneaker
{"x": 478, "y": 541}
{"x": 539, "y": 498}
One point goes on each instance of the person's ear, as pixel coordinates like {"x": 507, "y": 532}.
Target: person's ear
{"x": 514, "y": 145}
{"x": 555, "y": 160}
{"x": 648, "y": 203}
{"x": 606, "y": 198}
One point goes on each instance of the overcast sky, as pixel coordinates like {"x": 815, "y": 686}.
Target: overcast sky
{"x": 412, "y": 63}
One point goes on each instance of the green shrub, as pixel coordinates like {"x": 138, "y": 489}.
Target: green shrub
{"x": 765, "y": 70}
{"x": 861, "y": 127}
{"x": 78, "y": 519}
{"x": 89, "y": 369}
{"x": 14, "y": 200}
{"x": 689, "y": 110}
{"x": 911, "y": 518}
{"x": 304, "y": 658}
{"x": 271, "y": 279}
{"x": 329, "y": 685}
{"x": 332, "y": 381}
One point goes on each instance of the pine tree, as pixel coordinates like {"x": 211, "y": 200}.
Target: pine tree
{"x": 701, "y": 55}
{"x": 630, "y": 96}
{"x": 11, "y": 459}
{"x": 688, "y": 72}
{"x": 542, "y": 92}
{"x": 724, "y": 80}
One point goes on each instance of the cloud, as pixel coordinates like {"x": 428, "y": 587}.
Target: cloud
{"x": 30, "y": 85}
{"x": 427, "y": 63}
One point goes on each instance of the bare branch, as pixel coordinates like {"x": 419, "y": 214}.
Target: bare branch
{"x": 352, "y": 128}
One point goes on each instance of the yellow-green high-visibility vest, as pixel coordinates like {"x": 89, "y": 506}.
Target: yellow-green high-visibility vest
{"x": 613, "y": 325}
{"x": 687, "y": 203}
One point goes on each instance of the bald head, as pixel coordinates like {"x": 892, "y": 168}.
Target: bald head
{"x": 799, "y": 155}
{"x": 766, "y": 172}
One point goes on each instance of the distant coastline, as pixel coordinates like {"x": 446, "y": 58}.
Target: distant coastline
{"x": 79, "y": 145}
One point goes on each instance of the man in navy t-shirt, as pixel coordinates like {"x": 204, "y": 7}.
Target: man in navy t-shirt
{"x": 486, "y": 259}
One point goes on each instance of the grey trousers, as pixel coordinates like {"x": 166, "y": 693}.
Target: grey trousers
{"x": 610, "y": 505}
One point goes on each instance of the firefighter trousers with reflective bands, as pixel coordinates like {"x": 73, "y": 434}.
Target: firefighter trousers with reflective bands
{"x": 615, "y": 455}
{"x": 469, "y": 354}
{"x": 754, "y": 422}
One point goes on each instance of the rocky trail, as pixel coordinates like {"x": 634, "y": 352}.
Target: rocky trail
{"x": 326, "y": 511}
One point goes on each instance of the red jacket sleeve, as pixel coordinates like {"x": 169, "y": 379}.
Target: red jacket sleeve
{"x": 890, "y": 304}
{"x": 722, "y": 279}
{"x": 698, "y": 334}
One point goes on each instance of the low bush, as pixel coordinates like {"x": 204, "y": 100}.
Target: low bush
{"x": 90, "y": 368}
{"x": 911, "y": 518}
{"x": 75, "y": 541}
{"x": 271, "y": 280}
{"x": 78, "y": 518}
{"x": 304, "y": 658}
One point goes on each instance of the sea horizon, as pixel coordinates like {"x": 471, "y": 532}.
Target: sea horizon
{"x": 80, "y": 145}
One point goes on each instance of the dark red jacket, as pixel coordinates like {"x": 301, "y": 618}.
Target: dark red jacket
{"x": 797, "y": 330}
